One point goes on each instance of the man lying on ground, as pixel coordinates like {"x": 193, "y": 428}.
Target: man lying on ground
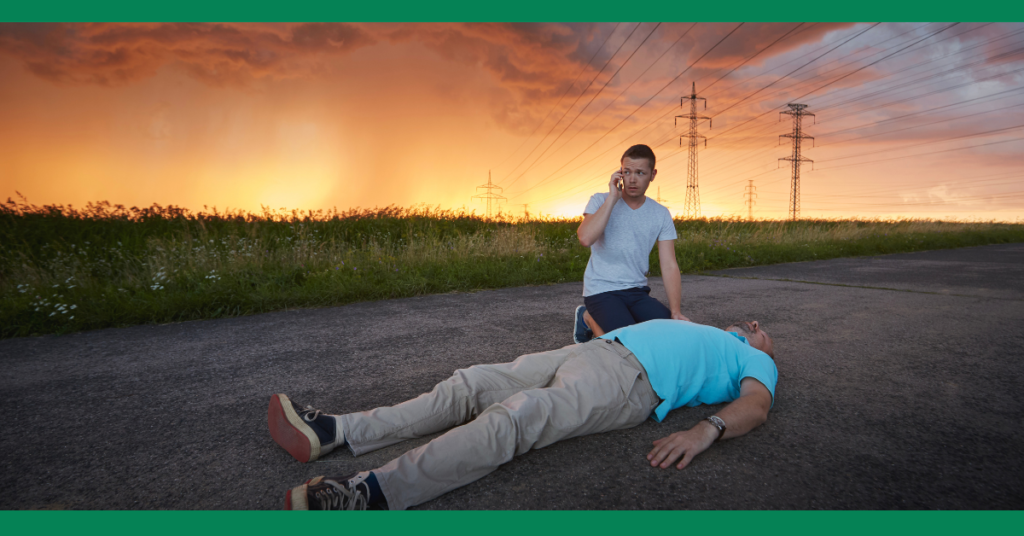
{"x": 610, "y": 383}
{"x": 620, "y": 228}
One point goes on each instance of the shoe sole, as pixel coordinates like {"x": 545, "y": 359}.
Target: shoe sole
{"x": 577, "y": 319}
{"x": 295, "y": 499}
{"x": 289, "y": 430}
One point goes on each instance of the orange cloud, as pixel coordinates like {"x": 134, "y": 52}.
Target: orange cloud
{"x": 218, "y": 54}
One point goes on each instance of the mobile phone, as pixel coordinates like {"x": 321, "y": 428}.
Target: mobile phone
{"x": 618, "y": 183}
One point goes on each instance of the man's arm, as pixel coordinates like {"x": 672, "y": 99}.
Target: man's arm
{"x": 593, "y": 224}
{"x": 670, "y": 276}
{"x": 742, "y": 415}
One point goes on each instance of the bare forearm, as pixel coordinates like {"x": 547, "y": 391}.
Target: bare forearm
{"x": 593, "y": 224}
{"x": 742, "y": 416}
{"x": 670, "y": 277}
{"x": 673, "y": 285}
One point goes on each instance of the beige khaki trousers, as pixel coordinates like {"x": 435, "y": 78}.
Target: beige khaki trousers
{"x": 530, "y": 403}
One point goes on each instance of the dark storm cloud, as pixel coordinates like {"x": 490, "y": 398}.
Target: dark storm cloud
{"x": 218, "y": 54}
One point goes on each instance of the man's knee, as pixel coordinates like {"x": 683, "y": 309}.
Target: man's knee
{"x": 609, "y": 310}
{"x": 645, "y": 307}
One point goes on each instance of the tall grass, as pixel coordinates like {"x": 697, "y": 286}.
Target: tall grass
{"x": 64, "y": 269}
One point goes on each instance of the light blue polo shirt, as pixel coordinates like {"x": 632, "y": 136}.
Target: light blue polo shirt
{"x": 692, "y": 364}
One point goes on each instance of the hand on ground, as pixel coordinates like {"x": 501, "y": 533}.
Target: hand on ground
{"x": 682, "y": 444}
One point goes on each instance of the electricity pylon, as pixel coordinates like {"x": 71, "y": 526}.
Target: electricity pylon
{"x": 489, "y": 194}
{"x": 660, "y": 200}
{"x": 798, "y": 112}
{"x": 691, "y": 207}
{"x": 750, "y": 196}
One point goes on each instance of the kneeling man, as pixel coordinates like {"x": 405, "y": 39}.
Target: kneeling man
{"x": 613, "y": 382}
{"x": 620, "y": 228}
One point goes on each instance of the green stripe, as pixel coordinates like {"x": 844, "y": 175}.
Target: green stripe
{"x": 511, "y": 11}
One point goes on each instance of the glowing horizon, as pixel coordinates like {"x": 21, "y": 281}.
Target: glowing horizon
{"x": 315, "y": 116}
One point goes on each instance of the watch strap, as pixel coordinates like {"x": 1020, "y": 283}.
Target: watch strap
{"x": 717, "y": 422}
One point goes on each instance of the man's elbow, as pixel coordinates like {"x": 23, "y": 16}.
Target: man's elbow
{"x": 759, "y": 412}
{"x": 762, "y": 416}
{"x": 583, "y": 240}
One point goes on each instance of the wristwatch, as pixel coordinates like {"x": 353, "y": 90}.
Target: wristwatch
{"x": 717, "y": 423}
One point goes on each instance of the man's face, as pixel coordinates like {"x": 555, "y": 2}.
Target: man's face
{"x": 636, "y": 177}
{"x": 754, "y": 335}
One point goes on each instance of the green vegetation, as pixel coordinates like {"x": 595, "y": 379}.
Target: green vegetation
{"x": 65, "y": 269}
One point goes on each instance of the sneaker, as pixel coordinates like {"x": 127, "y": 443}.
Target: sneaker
{"x": 306, "y": 433}
{"x": 348, "y": 492}
{"x": 580, "y": 332}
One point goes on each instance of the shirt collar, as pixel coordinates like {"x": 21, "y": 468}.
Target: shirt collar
{"x": 740, "y": 337}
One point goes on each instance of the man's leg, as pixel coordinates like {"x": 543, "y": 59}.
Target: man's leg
{"x": 592, "y": 325}
{"x": 609, "y": 310}
{"x": 452, "y": 402}
{"x": 600, "y": 387}
{"x": 643, "y": 307}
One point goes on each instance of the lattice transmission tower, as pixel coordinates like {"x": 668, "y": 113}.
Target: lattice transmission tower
{"x": 660, "y": 200}
{"x": 691, "y": 206}
{"x": 489, "y": 194}
{"x": 798, "y": 111}
{"x": 750, "y": 199}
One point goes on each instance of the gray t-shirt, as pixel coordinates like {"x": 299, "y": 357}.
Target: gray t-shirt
{"x": 619, "y": 259}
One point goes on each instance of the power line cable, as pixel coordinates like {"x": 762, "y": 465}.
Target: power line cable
{"x": 924, "y": 154}
{"x": 566, "y": 112}
{"x": 641, "y": 106}
{"x": 566, "y": 92}
{"x": 673, "y": 107}
{"x": 578, "y": 114}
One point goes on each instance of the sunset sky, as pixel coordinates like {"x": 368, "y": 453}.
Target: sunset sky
{"x": 911, "y": 119}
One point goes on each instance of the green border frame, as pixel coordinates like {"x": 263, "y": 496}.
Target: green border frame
{"x": 506, "y": 523}
{"x": 510, "y": 11}
{"x": 502, "y": 523}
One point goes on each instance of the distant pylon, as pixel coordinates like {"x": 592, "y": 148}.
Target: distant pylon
{"x": 489, "y": 194}
{"x": 750, "y": 196}
{"x": 691, "y": 207}
{"x": 660, "y": 200}
{"x": 526, "y": 211}
{"x": 798, "y": 113}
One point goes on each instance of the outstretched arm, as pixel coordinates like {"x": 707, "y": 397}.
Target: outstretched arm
{"x": 742, "y": 415}
{"x": 670, "y": 276}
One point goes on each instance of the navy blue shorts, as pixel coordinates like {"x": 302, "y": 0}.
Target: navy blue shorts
{"x": 619, "y": 308}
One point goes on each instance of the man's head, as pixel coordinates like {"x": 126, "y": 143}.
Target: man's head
{"x": 757, "y": 337}
{"x": 637, "y": 171}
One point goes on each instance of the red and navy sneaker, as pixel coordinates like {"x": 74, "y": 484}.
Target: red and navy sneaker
{"x": 306, "y": 433}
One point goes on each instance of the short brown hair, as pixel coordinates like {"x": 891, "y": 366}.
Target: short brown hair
{"x": 639, "y": 151}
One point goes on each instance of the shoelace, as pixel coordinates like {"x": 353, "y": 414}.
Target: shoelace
{"x": 340, "y": 497}
{"x": 308, "y": 410}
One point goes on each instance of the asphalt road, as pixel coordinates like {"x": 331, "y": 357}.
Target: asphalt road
{"x": 899, "y": 387}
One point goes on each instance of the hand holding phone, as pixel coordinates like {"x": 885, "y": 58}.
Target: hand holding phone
{"x": 615, "y": 185}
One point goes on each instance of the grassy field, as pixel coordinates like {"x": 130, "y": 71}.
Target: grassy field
{"x": 65, "y": 269}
